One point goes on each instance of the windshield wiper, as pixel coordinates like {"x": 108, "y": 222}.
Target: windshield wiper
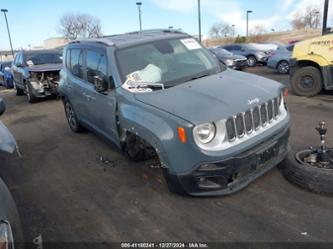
{"x": 198, "y": 77}
{"x": 146, "y": 85}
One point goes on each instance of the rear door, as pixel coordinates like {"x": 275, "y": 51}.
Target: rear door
{"x": 101, "y": 107}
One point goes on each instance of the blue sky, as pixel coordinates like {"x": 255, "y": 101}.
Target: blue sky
{"x": 33, "y": 21}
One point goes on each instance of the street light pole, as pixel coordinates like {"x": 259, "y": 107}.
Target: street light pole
{"x": 247, "y": 22}
{"x": 139, "y": 8}
{"x": 199, "y": 20}
{"x": 10, "y": 39}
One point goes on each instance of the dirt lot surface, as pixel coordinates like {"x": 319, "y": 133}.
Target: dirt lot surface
{"x": 66, "y": 193}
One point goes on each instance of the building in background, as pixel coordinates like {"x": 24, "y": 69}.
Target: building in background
{"x": 55, "y": 42}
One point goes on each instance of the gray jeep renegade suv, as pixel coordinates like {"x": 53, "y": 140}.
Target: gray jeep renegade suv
{"x": 159, "y": 92}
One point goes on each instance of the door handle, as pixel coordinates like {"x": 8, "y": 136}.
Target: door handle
{"x": 87, "y": 96}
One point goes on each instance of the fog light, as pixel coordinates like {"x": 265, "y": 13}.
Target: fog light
{"x": 208, "y": 167}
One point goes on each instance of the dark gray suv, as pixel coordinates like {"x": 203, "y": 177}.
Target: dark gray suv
{"x": 36, "y": 73}
{"x": 160, "y": 93}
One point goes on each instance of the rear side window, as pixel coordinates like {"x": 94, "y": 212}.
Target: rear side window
{"x": 96, "y": 65}
{"x": 290, "y": 48}
{"x": 76, "y": 62}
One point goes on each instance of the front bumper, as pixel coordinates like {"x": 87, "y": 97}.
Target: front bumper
{"x": 239, "y": 64}
{"x": 233, "y": 174}
{"x": 44, "y": 90}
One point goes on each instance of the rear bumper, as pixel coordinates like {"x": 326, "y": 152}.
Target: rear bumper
{"x": 233, "y": 174}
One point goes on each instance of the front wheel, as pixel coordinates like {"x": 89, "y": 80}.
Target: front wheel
{"x": 251, "y": 61}
{"x": 307, "y": 81}
{"x": 31, "y": 97}
{"x": 73, "y": 122}
{"x": 19, "y": 92}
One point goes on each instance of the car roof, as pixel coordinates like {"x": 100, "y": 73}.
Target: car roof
{"x": 42, "y": 51}
{"x": 136, "y": 37}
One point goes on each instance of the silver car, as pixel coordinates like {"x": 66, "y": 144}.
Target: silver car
{"x": 280, "y": 59}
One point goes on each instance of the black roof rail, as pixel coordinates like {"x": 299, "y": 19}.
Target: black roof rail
{"x": 150, "y": 31}
{"x": 101, "y": 40}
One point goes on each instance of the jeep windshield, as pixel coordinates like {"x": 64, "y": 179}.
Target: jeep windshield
{"x": 170, "y": 62}
{"x": 44, "y": 58}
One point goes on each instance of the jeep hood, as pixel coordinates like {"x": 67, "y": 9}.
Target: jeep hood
{"x": 46, "y": 67}
{"x": 213, "y": 97}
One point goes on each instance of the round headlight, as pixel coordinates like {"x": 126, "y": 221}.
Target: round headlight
{"x": 205, "y": 133}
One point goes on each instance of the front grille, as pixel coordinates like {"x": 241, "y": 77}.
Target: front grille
{"x": 270, "y": 110}
{"x": 263, "y": 114}
{"x": 231, "y": 129}
{"x": 240, "y": 125}
{"x": 256, "y": 117}
{"x": 248, "y": 121}
{"x": 252, "y": 119}
{"x": 276, "y": 107}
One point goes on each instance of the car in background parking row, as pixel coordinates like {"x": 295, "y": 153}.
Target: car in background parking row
{"x": 6, "y": 77}
{"x": 36, "y": 73}
{"x": 251, "y": 52}
{"x": 231, "y": 60}
{"x": 279, "y": 59}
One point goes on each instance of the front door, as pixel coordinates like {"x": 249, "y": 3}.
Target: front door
{"x": 101, "y": 107}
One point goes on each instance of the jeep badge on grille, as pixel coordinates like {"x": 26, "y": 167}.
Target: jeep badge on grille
{"x": 253, "y": 101}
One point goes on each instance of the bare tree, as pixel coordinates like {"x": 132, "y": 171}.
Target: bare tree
{"x": 73, "y": 26}
{"x": 258, "y": 30}
{"x": 310, "y": 19}
{"x": 220, "y": 30}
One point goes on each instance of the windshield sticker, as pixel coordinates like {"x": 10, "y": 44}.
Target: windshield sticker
{"x": 190, "y": 43}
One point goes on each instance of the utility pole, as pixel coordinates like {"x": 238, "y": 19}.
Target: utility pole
{"x": 139, "y": 9}
{"x": 10, "y": 39}
{"x": 247, "y": 21}
{"x": 233, "y": 30}
{"x": 199, "y": 20}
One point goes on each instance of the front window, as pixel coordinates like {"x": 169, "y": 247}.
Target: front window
{"x": 169, "y": 62}
{"x": 44, "y": 58}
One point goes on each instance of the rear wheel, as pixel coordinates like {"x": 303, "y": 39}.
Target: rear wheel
{"x": 307, "y": 81}
{"x": 73, "y": 122}
{"x": 283, "y": 67}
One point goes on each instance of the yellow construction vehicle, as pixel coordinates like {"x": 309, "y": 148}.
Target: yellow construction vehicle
{"x": 311, "y": 64}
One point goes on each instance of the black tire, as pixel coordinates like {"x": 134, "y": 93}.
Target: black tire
{"x": 318, "y": 180}
{"x": 306, "y": 81}
{"x": 251, "y": 61}
{"x": 30, "y": 96}
{"x": 19, "y": 92}
{"x": 72, "y": 120}
{"x": 134, "y": 148}
{"x": 283, "y": 67}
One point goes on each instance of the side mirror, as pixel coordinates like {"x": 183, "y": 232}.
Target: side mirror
{"x": 101, "y": 85}
{"x": 2, "y": 106}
